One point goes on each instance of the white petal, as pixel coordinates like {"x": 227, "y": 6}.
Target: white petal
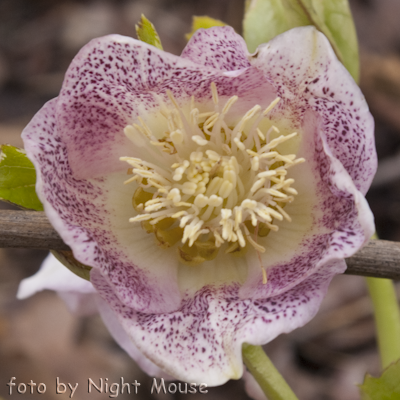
{"x": 79, "y": 294}
{"x": 53, "y": 275}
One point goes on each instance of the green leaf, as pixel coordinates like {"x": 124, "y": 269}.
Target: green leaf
{"x": 386, "y": 387}
{"x": 333, "y": 18}
{"x": 203, "y": 22}
{"x": 67, "y": 258}
{"x": 146, "y": 32}
{"x": 265, "y": 19}
{"x": 18, "y": 178}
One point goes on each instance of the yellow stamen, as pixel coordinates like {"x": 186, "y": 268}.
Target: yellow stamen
{"x": 215, "y": 181}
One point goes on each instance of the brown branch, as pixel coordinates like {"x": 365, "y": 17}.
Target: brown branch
{"x": 379, "y": 258}
{"x": 31, "y": 229}
{"x": 28, "y": 229}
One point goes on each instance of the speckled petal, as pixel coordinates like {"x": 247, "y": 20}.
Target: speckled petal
{"x": 110, "y": 82}
{"x": 220, "y": 48}
{"x": 95, "y": 226}
{"x": 82, "y": 299}
{"x": 201, "y": 342}
{"x": 306, "y": 73}
{"x": 121, "y": 337}
{"x": 331, "y": 220}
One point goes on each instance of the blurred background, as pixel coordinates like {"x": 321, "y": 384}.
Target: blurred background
{"x": 40, "y": 340}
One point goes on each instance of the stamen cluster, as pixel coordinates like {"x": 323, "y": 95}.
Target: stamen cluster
{"x": 212, "y": 183}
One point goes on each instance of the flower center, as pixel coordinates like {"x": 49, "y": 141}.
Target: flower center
{"x": 209, "y": 184}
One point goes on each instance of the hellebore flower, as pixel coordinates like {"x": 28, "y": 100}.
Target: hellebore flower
{"x": 244, "y": 188}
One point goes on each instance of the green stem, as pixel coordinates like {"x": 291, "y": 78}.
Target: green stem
{"x": 387, "y": 318}
{"x": 265, "y": 373}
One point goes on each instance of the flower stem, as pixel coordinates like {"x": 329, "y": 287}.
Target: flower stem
{"x": 265, "y": 373}
{"x": 387, "y": 318}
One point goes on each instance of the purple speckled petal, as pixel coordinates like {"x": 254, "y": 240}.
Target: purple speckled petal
{"x": 121, "y": 337}
{"x": 92, "y": 216}
{"x": 342, "y": 221}
{"x": 82, "y": 299}
{"x": 219, "y": 48}
{"x": 113, "y": 80}
{"x": 306, "y": 73}
{"x": 201, "y": 342}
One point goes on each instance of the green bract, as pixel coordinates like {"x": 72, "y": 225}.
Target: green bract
{"x": 18, "y": 178}
{"x": 146, "y": 32}
{"x": 68, "y": 260}
{"x": 265, "y": 19}
{"x": 204, "y": 22}
{"x": 386, "y": 387}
